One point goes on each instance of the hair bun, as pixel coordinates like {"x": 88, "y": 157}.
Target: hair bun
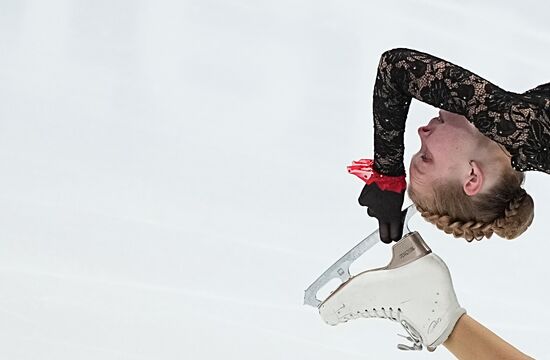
{"x": 517, "y": 217}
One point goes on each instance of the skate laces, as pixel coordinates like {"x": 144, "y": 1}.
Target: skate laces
{"x": 393, "y": 315}
{"x": 383, "y": 313}
{"x": 413, "y": 337}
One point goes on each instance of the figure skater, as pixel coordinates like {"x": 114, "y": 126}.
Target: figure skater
{"x": 467, "y": 176}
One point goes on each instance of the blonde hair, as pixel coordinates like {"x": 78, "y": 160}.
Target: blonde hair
{"x": 506, "y": 209}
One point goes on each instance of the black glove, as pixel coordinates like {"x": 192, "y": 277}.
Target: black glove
{"x": 386, "y": 207}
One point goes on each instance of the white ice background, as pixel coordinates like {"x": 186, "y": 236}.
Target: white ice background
{"x": 173, "y": 174}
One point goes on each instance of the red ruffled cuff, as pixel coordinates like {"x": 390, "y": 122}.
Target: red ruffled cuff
{"x": 364, "y": 170}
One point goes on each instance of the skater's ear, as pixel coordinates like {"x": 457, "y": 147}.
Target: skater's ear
{"x": 473, "y": 182}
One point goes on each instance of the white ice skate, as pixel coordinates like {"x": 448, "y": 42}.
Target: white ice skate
{"x": 415, "y": 290}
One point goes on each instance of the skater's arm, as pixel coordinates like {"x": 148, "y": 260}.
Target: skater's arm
{"x": 518, "y": 121}
{"x": 471, "y": 340}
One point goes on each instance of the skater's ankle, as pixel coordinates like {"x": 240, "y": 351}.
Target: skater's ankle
{"x": 471, "y": 340}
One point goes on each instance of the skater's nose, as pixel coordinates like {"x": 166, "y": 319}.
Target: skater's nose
{"x": 424, "y": 131}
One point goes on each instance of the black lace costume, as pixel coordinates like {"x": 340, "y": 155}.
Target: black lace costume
{"x": 520, "y": 122}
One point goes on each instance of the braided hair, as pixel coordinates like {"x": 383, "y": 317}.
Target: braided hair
{"x": 506, "y": 209}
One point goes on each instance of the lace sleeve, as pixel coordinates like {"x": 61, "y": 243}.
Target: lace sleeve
{"x": 520, "y": 122}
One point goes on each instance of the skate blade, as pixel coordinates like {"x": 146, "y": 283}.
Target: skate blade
{"x": 407, "y": 250}
{"x": 340, "y": 269}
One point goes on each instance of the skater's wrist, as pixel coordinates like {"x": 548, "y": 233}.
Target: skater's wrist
{"x": 365, "y": 170}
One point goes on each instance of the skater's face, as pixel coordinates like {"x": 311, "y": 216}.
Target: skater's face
{"x": 454, "y": 150}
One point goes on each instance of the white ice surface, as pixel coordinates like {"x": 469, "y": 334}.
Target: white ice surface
{"x": 173, "y": 173}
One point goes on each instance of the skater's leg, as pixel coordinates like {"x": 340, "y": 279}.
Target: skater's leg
{"x": 471, "y": 340}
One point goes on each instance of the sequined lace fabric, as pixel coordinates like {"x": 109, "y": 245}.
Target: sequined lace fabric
{"x": 520, "y": 122}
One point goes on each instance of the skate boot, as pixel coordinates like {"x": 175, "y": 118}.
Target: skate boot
{"x": 415, "y": 290}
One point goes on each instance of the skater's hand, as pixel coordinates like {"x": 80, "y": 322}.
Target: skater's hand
{"x": 386, "y": 207}
{"x": 383, "y": 195}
